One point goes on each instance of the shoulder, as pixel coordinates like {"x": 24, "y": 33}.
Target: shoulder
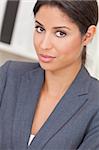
{"x": 90, "y": 86}
{"x": 22, "y": 67}
{"x": 17, "y": 67}
{"x": 93, "y": 82}
{"x": 94, "y": 86}
{"x": 94, "y": 92}
{"x": 12, "y": 71}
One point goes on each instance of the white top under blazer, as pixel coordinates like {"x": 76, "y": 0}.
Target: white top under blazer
{"x": 31, "y": 139}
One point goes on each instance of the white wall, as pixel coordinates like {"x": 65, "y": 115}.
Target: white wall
{"x": 21, "y": 47}
{"x": 93, "y": 55}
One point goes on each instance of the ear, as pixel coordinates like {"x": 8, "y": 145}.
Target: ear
{"x": 89, "y": 35}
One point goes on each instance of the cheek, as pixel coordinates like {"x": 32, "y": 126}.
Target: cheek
{"x": 69, "y": 51}
{"x": 69, "y": 47}
{"x": 36, "y": 41}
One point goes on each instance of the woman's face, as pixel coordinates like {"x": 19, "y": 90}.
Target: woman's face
{"x": 57, "y": 39}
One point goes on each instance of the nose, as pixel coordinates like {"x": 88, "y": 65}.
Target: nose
{"x": 46, "y": 42}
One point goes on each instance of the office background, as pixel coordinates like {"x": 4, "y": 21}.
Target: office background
{"x": 16, "y": 34}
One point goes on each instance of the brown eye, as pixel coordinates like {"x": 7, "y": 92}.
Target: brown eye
{"x": 60, "y": 34}
{"x": 39, "y": 29}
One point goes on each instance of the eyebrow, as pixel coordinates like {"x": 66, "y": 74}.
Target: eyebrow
{"x": 58, "y": 27}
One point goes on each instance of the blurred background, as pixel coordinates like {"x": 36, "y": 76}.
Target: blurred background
{"x": 16, "y": 35}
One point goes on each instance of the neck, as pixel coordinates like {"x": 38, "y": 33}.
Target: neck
{"x": 56, "y": 83}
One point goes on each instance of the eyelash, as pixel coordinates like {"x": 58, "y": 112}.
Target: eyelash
{"x": 38, "y": 27}
{"x": 61, "y": 32}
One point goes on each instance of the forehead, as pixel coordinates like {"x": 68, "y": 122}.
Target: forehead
{"x": 53, "y": 15}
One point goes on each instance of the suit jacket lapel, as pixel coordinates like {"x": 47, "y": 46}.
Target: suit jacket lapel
{"x": 70, "y": 103}
{"x": 29, "y": 92}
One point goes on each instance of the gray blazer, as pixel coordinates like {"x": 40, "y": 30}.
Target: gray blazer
{"x": 73, "y": 125}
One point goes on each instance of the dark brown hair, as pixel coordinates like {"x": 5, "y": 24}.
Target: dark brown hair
{"x": 83, "y": 12}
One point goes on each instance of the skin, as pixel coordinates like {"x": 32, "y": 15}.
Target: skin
{"x": 56, "y": 35}
{"x": 65, "y": 45}
{"x": 47, "y": 39}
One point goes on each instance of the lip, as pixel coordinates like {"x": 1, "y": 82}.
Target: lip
{"x": 45, "y": 58}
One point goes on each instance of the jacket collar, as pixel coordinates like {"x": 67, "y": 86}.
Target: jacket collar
{"x": 70, "y": 103}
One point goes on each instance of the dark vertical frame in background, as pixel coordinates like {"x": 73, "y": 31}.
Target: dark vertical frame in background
{"x": 9, "y": 20}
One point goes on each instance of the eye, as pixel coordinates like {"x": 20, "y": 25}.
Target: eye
{"x": 60, "y": 34}
{"x": 39, "y": 29}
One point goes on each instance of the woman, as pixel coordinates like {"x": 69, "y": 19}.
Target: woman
{"x": 53, "y": 104}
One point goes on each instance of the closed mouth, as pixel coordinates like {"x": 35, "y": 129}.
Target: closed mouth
{"x": 47, "y": 56}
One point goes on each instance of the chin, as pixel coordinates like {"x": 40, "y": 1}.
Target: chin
{"x": 47, "y": 66}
